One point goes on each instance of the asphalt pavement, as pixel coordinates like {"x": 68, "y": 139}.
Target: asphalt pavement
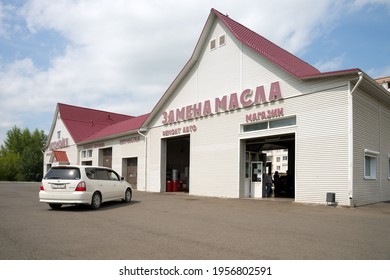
{"x": 174, "y": 226}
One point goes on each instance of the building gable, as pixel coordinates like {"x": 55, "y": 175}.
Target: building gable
{"x": 59, "y": 136}
{"x": 218, "y": 31}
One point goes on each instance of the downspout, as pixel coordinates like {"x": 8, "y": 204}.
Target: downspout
{"x": 146, "y": 156}
{"x": 350, "y": 137}
{"x": 358, "y": 82}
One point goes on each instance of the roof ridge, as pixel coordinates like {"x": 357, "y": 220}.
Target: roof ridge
{"x": 82, "y": 122}
{"x": 95, "y": 110}
{"x": 266, "y": 48}
{"x": 117, "y": 128}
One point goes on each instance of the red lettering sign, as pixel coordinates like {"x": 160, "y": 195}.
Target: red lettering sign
{"x": 262, "y": 115}
{"x": 179, "y": 130}
{"x": 222, "y": 104}
{"x": 59, "y": 144}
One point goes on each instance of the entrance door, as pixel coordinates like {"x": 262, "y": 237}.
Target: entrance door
{"x": 257, "y": 173}
{"x": 131, "y": 171}
{"x": 107, "y": 157}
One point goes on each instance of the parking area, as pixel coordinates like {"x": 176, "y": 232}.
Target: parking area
{"x": 179, "y": 226}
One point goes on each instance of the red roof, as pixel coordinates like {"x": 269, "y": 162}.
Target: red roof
{"x": 60, "y": 156}
{"x": 333, "y": 73}
{"x": 82, "y": 122}
{"x": 118, "y": 128}
{"x": 267, "y": 49}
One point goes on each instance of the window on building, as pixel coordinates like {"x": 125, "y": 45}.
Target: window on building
{"x": 86, "y": 153}
{"x": 222, "y": 40}
{"x": 388, "y": 173}
{"x": 285, "y": 157}
{"x": 213, "y": 44}
{"x": 277, "y": 159}
{"x": 255, "y": 126}
{"x": 282, "y": 122}
{"x": 270, "y": 124}
{"x": 59, "y": 134}
{"x": 370, "y": 164}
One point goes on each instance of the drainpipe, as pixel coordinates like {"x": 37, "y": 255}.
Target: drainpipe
{"x": 358, "y": 82}
{"x": 350, "y": 136}
{"x": 146, "y": 155}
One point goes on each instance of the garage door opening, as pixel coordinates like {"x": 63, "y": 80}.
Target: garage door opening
{"x": 177, "y": 164}
{"x": 105, "y": 157}
{"x": 130, "y": 170}
{"x": 274, "y": 155}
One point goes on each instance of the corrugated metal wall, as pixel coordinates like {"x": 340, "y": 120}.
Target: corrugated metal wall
{"x": 322, "y": 146}
{"x": 371, "y": 123}
{"x": 385, "y": 152}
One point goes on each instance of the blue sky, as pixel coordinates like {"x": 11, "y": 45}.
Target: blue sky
{"x": 122, "y": 55}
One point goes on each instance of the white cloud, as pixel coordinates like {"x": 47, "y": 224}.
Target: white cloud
{"x": 291, "y": 24}
{"x": 379, "y": 72}
{"x": 4, "y": 15}
{"x": 358, "y": 4}
{"x": 330, "y": 65}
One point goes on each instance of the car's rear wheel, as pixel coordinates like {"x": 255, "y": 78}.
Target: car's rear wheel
{"x": 96, "y": 201}
{"x": 55, "y": 205}
{"x": 128, "y": 196}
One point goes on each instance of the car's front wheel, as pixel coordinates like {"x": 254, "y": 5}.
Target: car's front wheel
{"x": 55, "y": 206}
{"x": 96, "y": 201}
{"x": 128, "y": 196}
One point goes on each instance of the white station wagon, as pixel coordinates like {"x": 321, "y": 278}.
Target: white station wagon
{"x": 72, "y": 184}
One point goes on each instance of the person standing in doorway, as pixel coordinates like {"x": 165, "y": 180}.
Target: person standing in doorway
{"x": 276, "y": 182}
{"x": 268, "y": 184}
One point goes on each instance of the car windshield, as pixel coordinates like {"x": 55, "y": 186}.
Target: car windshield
{"x": 67, "y": 173}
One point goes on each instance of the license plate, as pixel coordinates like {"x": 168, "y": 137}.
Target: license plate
{"x": 58, "y": 187}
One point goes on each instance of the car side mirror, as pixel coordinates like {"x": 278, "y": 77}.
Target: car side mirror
{"x": 122, "y": 178}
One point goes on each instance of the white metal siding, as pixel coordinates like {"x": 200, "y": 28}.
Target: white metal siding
{"x": 218, "y": 71}
{"x": 215, "y": 157}
{"x": 366, "y": 131}
{"x": 154, "y": 161}
{"x": 385, "y": 152}
{"x": 322, "y": 147}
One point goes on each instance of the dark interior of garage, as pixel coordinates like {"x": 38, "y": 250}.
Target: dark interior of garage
{"x": 284, "y": 186}
{"x": 178, "y": 164}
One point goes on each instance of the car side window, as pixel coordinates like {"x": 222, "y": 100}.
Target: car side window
{"x": 102, "y": 174}
{"x": 91, "y": 173}
{"x": 113, "y": 176}
{"x": 97, "y": 174}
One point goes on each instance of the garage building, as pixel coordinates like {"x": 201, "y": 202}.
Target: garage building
{"x": 239, "y": 100}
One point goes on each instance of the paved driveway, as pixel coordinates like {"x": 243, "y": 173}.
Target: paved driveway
{"x": 179, "y": 226}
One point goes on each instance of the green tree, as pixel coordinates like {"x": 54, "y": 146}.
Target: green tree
{"x": 21, "y": 155}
